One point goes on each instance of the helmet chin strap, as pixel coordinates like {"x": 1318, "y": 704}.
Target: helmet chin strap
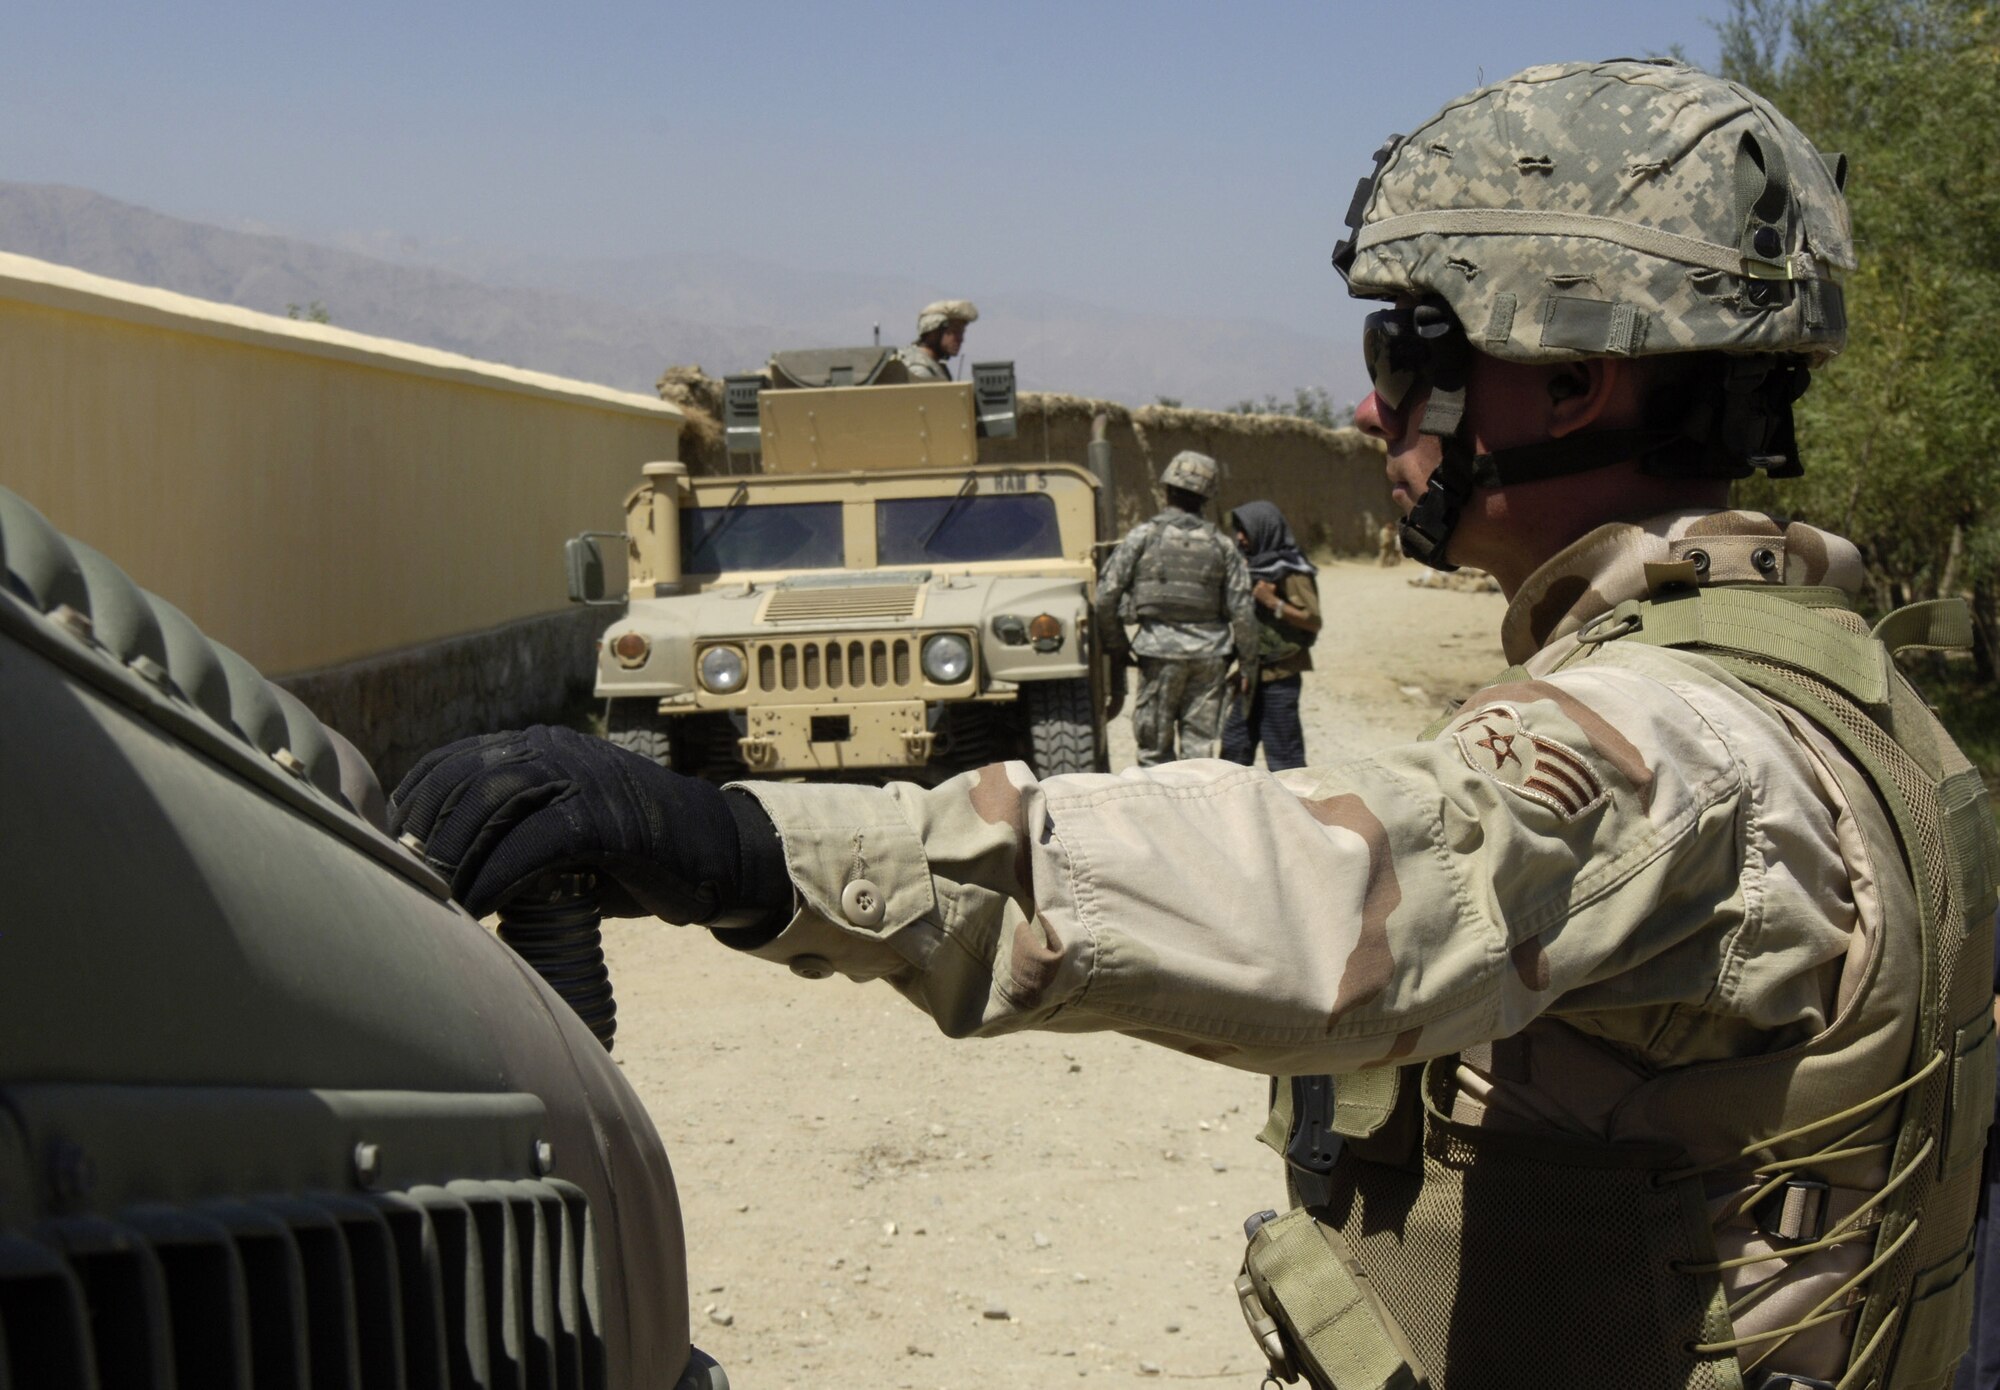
{"x": 1743, "y": 423}
{"x": 1426, "y": 532}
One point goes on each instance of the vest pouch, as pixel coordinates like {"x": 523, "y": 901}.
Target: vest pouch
{"x": 1375, "y": 1117}
{"x": 1513, "y": 1259}
{"x": 1303, "y": 1290}
{"x": 1936, "y": 1326}
{"x": 1969, "y": 1108}
{"x": 1378, "y": 1114}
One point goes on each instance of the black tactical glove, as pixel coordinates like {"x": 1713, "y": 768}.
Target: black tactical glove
{"x": 494, "y": 813}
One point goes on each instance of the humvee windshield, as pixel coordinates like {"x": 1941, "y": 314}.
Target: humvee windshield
{"x": 913, "y": 530}
{"x": 781, "y": 535}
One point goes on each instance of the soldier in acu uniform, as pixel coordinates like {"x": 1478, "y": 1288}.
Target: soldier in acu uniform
{"x": 1654, "y": 983}
{"x": 1187, "y": 587}
{"x": 940, "y": 337}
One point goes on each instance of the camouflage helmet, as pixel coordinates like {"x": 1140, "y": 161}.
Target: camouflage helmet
{"x": 1191, "y": 472}
{"x": 945, "y": 311}
{"x": 1624, "y": 207}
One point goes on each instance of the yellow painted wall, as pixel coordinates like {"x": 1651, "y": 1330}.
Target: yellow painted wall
{"x": 306, "y": 494}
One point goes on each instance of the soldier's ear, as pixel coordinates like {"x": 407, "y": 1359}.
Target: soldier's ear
{"x": 1593, "y": 392}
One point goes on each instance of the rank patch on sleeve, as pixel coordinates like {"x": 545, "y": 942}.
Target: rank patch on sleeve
{"x": 1493, "y": 742}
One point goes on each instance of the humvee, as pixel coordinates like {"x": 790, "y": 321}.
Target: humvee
{"x": 273, "y": 1109}
{"x": 875, "y": 600}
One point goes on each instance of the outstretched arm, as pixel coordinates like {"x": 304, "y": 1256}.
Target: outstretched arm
{"x": 1403, "y": 906}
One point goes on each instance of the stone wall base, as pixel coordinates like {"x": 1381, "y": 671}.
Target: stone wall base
{"x": 398, "y": 706}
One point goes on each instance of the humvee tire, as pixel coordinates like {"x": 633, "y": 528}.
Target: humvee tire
{"x": 637, "y": 728}
{"x": 1062, "y": 734}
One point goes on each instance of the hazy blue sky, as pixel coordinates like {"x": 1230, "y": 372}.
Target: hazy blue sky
{"x": 1181, "y": 157}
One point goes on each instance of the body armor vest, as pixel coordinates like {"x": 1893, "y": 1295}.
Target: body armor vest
{"x": 1431, "y": 1251}
{"x": 1181, "y": 572}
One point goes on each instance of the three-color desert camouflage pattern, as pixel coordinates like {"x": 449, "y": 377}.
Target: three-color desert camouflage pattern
{"x": 1583, "y": 209}
{"x": 1621, "y": 866}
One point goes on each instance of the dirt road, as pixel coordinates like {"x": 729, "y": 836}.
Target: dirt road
{"x": 869, "y": 1204}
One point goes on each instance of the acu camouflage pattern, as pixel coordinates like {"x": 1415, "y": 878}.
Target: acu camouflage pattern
{"x": 1192, "y": 472}
{"x": 1621, "y": 207}
{"x": 1716, "y": 884}
{"x": 1179, "y": 709}
{"x": 1186, "y": 585}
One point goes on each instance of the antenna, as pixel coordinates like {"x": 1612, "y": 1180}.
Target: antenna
{"x": 878, "y": 335}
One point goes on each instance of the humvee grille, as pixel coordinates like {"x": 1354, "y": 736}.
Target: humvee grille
{"x": 871, "y": 601}
{"x": 857, "y": 663}
{"x": 469, "y": 1284}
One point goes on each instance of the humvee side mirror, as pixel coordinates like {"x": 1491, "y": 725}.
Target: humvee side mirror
{"x": 584, "y": 564}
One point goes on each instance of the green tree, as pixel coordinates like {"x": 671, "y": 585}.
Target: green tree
{"x": 314, "y": 312}
{"x": 1900, "y": 436}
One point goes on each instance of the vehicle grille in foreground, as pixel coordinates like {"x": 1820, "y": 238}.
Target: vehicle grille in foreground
{"x": 473, "y": 1284}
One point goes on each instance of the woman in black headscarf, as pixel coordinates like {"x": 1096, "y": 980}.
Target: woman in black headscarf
{"x": 1288, "y": 620}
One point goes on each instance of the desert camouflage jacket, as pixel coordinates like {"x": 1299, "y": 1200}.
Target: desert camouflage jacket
{"x": 1661, "y": 864}
{"x": 1433, "y": 897}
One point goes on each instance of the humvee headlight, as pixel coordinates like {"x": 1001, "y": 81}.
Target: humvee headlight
{"x": 947, "y": 658}
{"x": 722, "y": 669}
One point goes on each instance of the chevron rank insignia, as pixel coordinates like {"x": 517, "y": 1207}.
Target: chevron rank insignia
{"x": 1493, "y": 741}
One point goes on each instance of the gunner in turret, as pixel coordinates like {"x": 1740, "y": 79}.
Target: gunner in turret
{"x": 940, "y": 337}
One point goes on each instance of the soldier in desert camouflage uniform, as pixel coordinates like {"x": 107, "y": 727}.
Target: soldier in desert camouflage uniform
{"x": 940, "y": 337}
{"x": 1188, "y": 588}
{"x": 1655, "y": 977}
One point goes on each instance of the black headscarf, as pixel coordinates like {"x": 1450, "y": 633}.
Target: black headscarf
{"x": 1273, "y": 552}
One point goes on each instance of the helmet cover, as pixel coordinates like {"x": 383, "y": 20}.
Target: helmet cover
{"x": 1618, "y": 208}
{"x": 1191, "y": 472}
{"x": 945, "y": 311}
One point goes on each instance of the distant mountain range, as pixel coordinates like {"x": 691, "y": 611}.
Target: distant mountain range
{"x": 622, "y": 322}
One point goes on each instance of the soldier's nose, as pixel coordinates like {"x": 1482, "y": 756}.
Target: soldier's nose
{"x": 1377, "y": 419}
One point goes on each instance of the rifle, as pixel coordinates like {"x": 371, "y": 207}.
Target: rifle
{"x": 1117, "y": 681}
{"x": 1246, "y": 691}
